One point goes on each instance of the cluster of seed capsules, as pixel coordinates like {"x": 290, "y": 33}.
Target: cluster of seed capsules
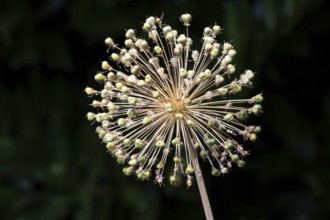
{"x": 161, "y": 100}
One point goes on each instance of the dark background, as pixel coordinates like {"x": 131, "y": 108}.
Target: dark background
{"x": 52, "y": 165}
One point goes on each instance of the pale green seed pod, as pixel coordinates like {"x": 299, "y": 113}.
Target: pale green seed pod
{"x": 190, "y": 74}
{"x": 240, "y": 163}
{"x": 144, "y": 45}
{"x": 108, "y": 41}
{"x": 132, "y": 162}
{"x": 158, "y": 50}
{"x": 214, "y": 53}
{"x": 111, "y": 76}
{"x": 195, "y": 55}
{"x": 182, "y": 39}
{"x": 190, "y": 123}
{"x": 201, "y": 75}
{"x": 216, "y": 29}
{"x": 175, "y": 141}
{"x": 105, "y": 94}
{"x": 228, "y": 145}
{"x": 183, "y": 73}
{"x": 215, "y": 172}
{"x": 227, "y": 60}
{"x": 210, "y": 142}
{"x": 197, "y": 146}
{"x": 204, "y": 154}
{"x": 112, "y": 107}
{"x": 99, "y": 77}
{"x": 253, "y": 137}
{"x": 127, "y": 59}
{"x": 231, "y": 69}
{"x": 111, "y": 145}
{"x": 249, "y": 74}
{"x": 258, "y": 98}
{"x": 234, "y": 158}
{"x": 135, "y": 70}
{"x": 146, "y": 120}
{"x": 160, "y": 144}
{"x": 226, "y": 48}
{"x": 219, "y": 79}
{"x": 169, "y": 107}
{"x": 179, "y": 116}
{"x": 160, "y": 165}
{"x": 131, "y": 79}
{"x": 125, "y": 90}
{"x": 132, "y": 100}
{"x": 224, "y": 170}
{"x": 186, "y": 19}
{"x": 229, "y": 117}
{"x": 257, "y": 129}
{"x": 148, "y": 79}
{"x": 207, "y": 31}
{"x": 90, "y": 116}
{"x": 96, "y": 104}
{"x": 151, "y": 20}
{"x": 119, "y": 86}
{"x": 131, "y": 113}
{"x": 155, "y": 94}
{"x": 121, "y": 122}
{"x": 141, "y": 83}
{"x": 115, "y": 57}
{"x": 235, "y": 88}
{"x": 127, "y": 171}
{"x": 178, "y": 50}
{"x": 243, "y": 114}
{"x": 176, "y": 159}
{"x": 108, "y": 137}
{"x": 211, "y": 122}
{"x": 89, "y": 91}
{"x": 167, "y": 29}
{"x": 121, "y": 159}
{"x": 108, "y": 86}
{"x": 232, "y": 53}
{"x": 222, "y": 91}
{"x": 208, "y": 48}
{"x": 139, "y": 144}
{"x": 105, "y": 65}
{"x": 154, "y": 61}
{"x": 170, "y": 37}
{"x": 147, "y": 27}
{"x": 174, "y": 180}
{"x": 123, "y": 51}
{"x": 208, "y": 74}
{"x": 153, "y": 35}
{"x": 127, "y": 142}
{"x": 189, "y": 170}
{"x": 129, "y": 43}
{"x": 130, "y": 33}
{"x": 256, "y": 109}
{"x": 208, "y": 40}
{"x": 189, "y": 42}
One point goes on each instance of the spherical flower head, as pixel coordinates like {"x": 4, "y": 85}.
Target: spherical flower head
{"x": 162, "y": 99}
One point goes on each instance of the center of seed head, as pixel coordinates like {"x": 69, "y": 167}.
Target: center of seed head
{"x": 179, "y": 105}
{"x": 175, "y": 106}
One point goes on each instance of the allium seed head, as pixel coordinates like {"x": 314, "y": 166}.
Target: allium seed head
{"x": 162, "y": 99}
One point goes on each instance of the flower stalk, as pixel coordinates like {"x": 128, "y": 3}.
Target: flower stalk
{"x": 201, "y": 186}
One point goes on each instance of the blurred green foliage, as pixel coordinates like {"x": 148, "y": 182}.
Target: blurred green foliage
{"x": 52, "y": 166}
